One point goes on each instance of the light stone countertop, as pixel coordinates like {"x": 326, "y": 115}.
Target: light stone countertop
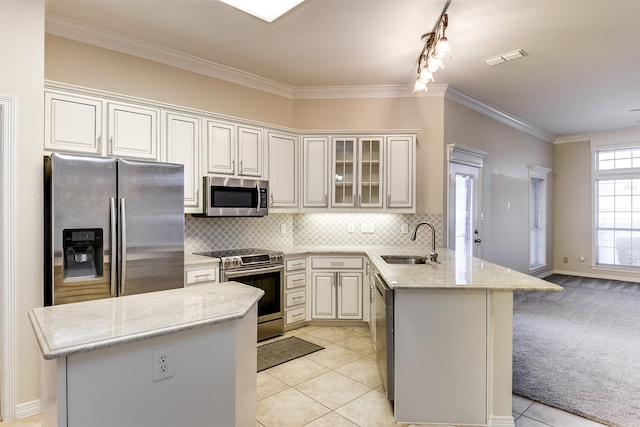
{"x": 194, "y": 260}
{"x": 454, "y": 270}
{"x": 63, "y": 330}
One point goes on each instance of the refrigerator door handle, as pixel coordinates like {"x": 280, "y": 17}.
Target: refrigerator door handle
{"x": 123, "y": 247}
{"x": 113, "y": 257}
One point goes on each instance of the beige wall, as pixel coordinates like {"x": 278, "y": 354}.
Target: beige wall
{"x": 505, "y": 180}
{"x": 21, "y": 77}
{"x": 80, "y": 64}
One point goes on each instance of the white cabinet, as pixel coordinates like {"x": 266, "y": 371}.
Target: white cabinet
{"x": 336, "y": 292}
{"x": 372, "y": 300}
{"x": 283, "y": 172}
{"x": 133, "y": 131}
{"x": 400, "y": 171}
{"x": 295, "y": 292}
{"x": 182, "y": 139}
{"x": 233, "y": 149}
{"x": 73, "y": 123}
{"x": 201, "y": 274}
{"x": 357, "y": 172}
{"x": 315, "y": 170}
{"x": 76, "y": 123}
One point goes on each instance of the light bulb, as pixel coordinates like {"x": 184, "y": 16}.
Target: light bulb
{"x": 443, "y": 48}
{"x": 419, "y": 87}
{"x": 434, "y": 64}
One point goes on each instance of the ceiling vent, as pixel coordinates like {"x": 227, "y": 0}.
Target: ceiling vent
{"x": 505, "y": 57}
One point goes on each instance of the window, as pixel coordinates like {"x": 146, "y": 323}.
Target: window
{"x": 617, "y": 205}
{"x": 537, "y": 217}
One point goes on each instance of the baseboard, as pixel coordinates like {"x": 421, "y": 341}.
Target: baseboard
{"x": 501, "y": 421}
{"x": 602, "y": 275}
{"x": 27, "y": 409}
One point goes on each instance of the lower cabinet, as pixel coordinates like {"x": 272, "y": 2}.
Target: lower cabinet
{"x": 199, "y": 275}
{"x": 295, "y": 291}
{"x": 336, "y": 291}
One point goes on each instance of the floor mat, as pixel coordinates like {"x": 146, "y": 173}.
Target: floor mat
{"x": 281, "y": 351}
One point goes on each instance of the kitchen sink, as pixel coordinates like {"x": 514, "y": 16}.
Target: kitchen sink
{"x": 404, "y": 259}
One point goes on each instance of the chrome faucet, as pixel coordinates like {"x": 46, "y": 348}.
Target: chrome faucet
{"x": 433, "y": 256}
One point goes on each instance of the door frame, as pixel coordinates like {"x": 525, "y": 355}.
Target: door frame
{"x": 459, "y": 154}
{"x": 7, "y": 260}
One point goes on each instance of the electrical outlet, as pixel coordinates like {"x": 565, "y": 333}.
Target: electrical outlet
{"x": 350, "y": 227}
{"x": 162, "y": 363}
{"x": 404, "y": 228}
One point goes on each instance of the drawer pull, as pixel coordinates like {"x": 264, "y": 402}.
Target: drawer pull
{"x": 202, "y": 275}
{"x": 298, "y": 280}
{"x": 297, "y": 315}
{"x": 295, "y": 298}
{"x": 298, "y": 264}
{"x": 337, "y": 263}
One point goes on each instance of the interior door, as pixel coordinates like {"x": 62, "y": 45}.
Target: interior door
{"x": 464, "y": 208}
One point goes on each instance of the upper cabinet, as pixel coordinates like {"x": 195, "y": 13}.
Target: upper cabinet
{"x": 133, "y": 131}
{"x": 370, "y": 173}
{"x": 76, "y": 123}
{"x": 400, "y": 171}
{"x": 315, "y": 168}
{"x": 181, "y": 132}
{"x": 73, "y": 123}
{"x": 284, "y": 175}
{"x": 357, "y": 177}
{"x": 233, "y": 149}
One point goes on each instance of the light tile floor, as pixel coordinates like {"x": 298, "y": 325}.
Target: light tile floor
{"x": 340, "y": 387}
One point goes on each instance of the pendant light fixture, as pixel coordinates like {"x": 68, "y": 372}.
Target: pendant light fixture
{"x": 436, "y": 48}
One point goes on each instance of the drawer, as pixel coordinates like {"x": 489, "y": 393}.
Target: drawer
{"x": 295, "y": 264}
{"x": 295, "y": 280}
{"x": 297, "y": 315}
{"x": 295, "y": 298}
{"x": 337, "y": 262}
{"x": 202, "y": 275}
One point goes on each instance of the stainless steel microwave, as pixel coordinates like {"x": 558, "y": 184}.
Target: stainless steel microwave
{"x": 235, "y": 196}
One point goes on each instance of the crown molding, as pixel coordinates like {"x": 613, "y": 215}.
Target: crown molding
{"x": 379, "y": 91}
{"x": 499, "y": 115}
{"x": 77, "y": 31}
{"x": 74, "y": 30}
{"x": 567, "y": 139}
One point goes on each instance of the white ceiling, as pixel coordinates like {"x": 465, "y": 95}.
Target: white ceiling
{"x": 581, "y": 75}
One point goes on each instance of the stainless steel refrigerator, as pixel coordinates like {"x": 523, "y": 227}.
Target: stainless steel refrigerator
{"x": 112, "y": 227}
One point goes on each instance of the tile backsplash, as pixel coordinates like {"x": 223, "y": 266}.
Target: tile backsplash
{"x": 318, "y": 229}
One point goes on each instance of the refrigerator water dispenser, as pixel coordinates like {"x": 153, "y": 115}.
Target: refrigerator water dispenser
{"x": 83, "y": 252}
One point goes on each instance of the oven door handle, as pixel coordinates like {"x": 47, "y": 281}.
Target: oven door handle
{"x": 230, "y": 274}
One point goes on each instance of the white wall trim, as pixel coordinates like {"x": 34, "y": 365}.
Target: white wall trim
{"x": 27, "y": 409}
{"x": 457, "y": 153}
{"x": 605, "y": 274}
{"x": 74, "y": 30}
{"x": 501, "y": 116}
{"x": 501, "y": 421}
{"x": 7, "y": 251}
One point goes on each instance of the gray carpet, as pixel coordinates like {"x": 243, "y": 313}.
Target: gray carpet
{"x": 284, "y": 350}
{"x": 579, "y": 350}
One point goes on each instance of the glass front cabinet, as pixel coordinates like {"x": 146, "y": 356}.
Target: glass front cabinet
{"x": 357, "y": 172}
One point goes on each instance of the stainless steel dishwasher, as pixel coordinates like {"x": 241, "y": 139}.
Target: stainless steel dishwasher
{"x": 384, "y": 336}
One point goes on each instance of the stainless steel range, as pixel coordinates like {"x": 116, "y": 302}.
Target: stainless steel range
{"x": 263, "y": 269}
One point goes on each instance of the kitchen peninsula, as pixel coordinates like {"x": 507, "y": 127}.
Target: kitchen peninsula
{"x": 179, "y": 357}
{"x": 453, "y": 333}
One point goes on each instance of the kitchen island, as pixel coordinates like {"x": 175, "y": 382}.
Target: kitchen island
{"x": 453, "y": 333}
{"x": 453, "y": 337}
{"x": 179, "y": 357}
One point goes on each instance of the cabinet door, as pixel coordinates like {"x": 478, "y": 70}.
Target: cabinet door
{"x": 324, "y": 296}
{"x": 370, "y": 155}
{"x": 182, "y": 134}
{"x": 250, "y": 151}
{"x": 73, "y": 123}
{"x": 315, "y": 169}
{"x": 133, "y": 131}
{"x": 344, "y": 172}
{"x": 220, "y": 147}
{"x": 400, "y": 170}
{"x": 349, "y": 295}
{"x": 283, "y": 171}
